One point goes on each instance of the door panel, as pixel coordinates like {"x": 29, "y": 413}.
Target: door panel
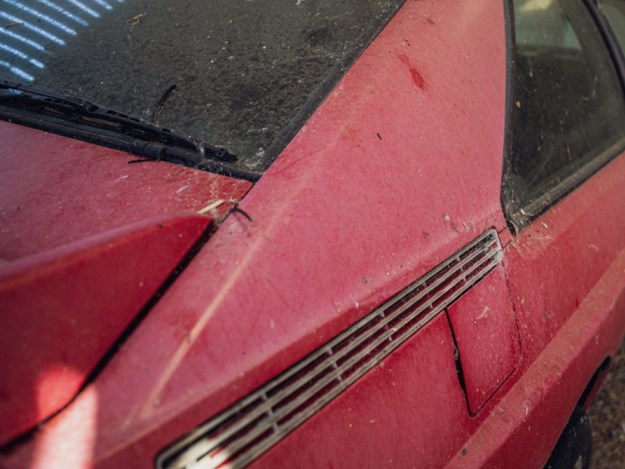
{"x": 554, "y": 263}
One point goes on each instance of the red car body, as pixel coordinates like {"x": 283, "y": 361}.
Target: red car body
{"x": 396, "y": 172}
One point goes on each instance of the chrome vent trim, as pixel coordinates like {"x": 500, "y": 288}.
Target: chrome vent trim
{"x": 248, "y": 428}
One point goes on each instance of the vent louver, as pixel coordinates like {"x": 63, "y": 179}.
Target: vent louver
{"x": 244, "y": 431}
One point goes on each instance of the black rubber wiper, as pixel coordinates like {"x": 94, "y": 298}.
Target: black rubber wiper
{"x": 84, "y": 120}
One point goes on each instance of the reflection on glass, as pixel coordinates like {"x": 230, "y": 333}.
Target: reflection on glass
{"x": 29, "y": 30}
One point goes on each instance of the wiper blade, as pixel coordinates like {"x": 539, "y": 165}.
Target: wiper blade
{"x": 140, "y": 137}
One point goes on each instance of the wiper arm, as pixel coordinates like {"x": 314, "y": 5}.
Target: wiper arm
{"x": 139, "y": 137}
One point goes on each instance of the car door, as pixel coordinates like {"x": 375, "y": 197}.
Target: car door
{"x": 563, "y": 198}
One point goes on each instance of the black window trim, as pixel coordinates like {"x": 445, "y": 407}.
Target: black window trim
{"x": 518, "y": 219}
{"x": 609, "y": 37}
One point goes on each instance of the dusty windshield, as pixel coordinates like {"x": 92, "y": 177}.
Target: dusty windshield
{"x": 242, "y": 74}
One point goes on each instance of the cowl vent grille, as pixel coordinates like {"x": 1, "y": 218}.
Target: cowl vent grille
{"x": 251, "y": 426}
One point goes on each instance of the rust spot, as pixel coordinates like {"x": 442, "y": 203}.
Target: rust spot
{"x": 414, "y": 73}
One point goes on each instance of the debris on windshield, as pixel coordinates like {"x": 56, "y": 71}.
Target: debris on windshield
{"x": 161, "y": 102}
{"x": 135, "y": 20}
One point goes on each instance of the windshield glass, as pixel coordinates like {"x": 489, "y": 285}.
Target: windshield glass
{"x": 242, "y": 74}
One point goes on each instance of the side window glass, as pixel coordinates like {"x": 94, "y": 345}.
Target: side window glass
{"x": 567, "y": 108}
{"x": 614, "y": 11}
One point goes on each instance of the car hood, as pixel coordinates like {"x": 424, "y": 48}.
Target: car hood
{"x": 86, "y": 242}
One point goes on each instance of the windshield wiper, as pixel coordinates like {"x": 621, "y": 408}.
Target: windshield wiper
{"x": 82, "y": 119}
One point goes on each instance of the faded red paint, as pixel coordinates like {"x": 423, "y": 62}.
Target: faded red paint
{"x": 342, "y": 221}
{"x": 417, "y": 78}
{"x": 87, "y": 293}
